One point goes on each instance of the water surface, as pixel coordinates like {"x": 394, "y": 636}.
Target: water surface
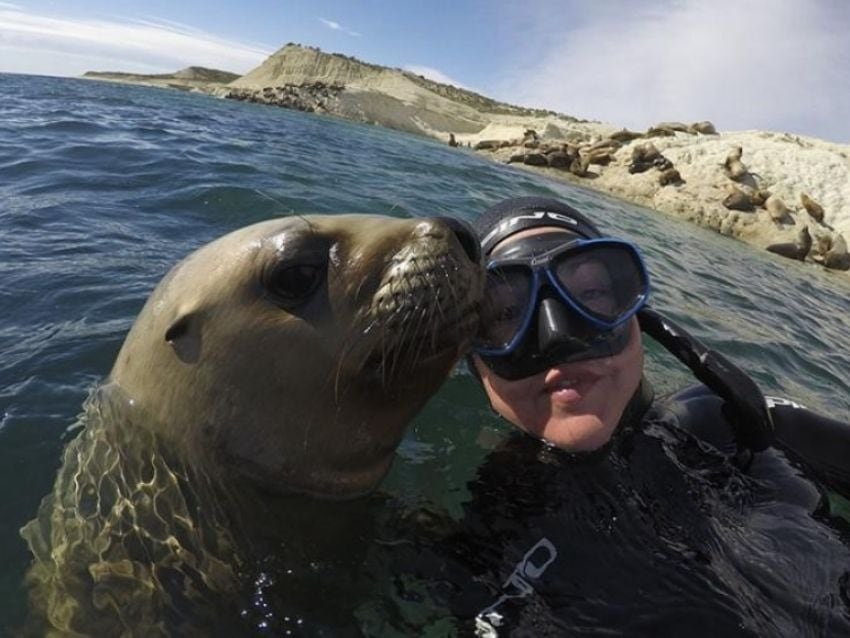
{"x": 103, "y": 187}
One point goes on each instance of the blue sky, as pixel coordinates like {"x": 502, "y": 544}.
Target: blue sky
{"x": 779, "y": 65}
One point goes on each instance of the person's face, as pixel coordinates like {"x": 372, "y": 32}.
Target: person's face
{"x": 575, "y": 406}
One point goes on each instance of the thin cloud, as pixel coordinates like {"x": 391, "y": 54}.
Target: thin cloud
{"x": 763, "y": 64}
{"x": 433, "y": 74}
{"x": 141, "y": 45}
{"x": 336, "y": 26}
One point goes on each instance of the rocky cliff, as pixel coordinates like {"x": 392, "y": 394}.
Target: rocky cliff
{"x": 371, "y": 93}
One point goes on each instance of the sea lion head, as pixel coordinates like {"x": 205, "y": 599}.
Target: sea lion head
{"x": 294, "y": 351}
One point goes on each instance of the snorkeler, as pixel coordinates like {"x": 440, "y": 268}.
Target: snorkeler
{"x": 559, "y": 350}
{"x": 611, "y": 510}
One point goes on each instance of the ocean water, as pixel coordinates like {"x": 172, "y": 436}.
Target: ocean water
{"x": 103, "y": 187}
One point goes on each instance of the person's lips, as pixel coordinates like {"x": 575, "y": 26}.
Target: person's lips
{"x": 568, "y": 387}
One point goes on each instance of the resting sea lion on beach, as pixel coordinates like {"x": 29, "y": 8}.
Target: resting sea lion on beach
{"x": 777, "y": 209}
{"x": 734, "y": 168}
{"x": 812, "y": 207}
{"x": 284, "y": 358}
{"x": 837, "y": 256}
{"x": 736, "y": 199}
{"x": 798, "y": 249}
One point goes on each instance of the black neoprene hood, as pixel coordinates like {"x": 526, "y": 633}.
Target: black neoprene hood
{"x": 519, "y": 213}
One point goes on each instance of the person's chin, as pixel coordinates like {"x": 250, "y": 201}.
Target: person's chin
{"x": 578, "y": 433}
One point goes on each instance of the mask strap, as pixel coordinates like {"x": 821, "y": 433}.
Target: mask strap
{"x": 746, "y": 407}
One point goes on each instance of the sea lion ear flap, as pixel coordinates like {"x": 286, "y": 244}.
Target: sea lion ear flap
{"x": 184, "y": 337}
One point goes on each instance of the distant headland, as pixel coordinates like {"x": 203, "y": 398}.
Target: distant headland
{"x": 786, "y": 193}
{"x": 191, "y": 78}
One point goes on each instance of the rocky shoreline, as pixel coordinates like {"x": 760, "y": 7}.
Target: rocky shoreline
{"x": 314, "y": 97}
{"x": 693, "y": 172}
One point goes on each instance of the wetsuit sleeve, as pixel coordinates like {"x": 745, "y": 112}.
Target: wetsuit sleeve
{"x": 821, "y": 443}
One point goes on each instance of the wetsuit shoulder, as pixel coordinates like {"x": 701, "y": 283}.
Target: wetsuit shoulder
{"x": 700, "y": 412}
{"x": 820, "y": 442}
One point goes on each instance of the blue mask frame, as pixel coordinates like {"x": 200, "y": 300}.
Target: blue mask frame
{"x": 541, "y": 270}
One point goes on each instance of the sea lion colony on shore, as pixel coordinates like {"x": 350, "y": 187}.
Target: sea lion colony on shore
{"x": 286, "y": 357}
{"x": 745, "y": 191}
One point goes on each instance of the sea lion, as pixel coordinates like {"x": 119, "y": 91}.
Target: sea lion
{"x": 535, "y": 159}
{"x": 283, "y": 358}
{"x": 600, "y": 157}
{"x": 516, "y": 157}
{"x": 734, "y": 168}
{"x": 837, "y": 256}
{"x": 558, "y": 159}
{"x": 644, "y": 157}
{"x": 625, "y": 135}
{"x": 738, "y": 200}
{"x": 610, "y": 145}
{"x": 777, "y": 209}
{"x": 487, "y": 145}
{"x": 660, "y": 131}
{"x": 678, "y": 127}
{"x": 646, "y": 152}
{"x": 812, "y": 207}
{"x": 579, "y": 166}
{"x": 760, "y": 197}
{"x": 821, "y": 243}
{"x": 703, "y": 128}
{"x": 794, "y": 250}
{"x": 670, "y": 176}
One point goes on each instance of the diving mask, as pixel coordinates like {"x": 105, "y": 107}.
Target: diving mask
{"x": 558, "y": 297}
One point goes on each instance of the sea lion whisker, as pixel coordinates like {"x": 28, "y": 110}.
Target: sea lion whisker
{"x": 347, "y": 347}
{"x": 436, "y": 289}
{"x": 355, "y": 338}
{"x": 456, "y": 301}
{"x": 389, "y": 364}
{"x": 425, "y": 316}
{"x": 421, "y": 316}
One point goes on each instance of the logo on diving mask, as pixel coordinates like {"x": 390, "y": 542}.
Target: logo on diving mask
{"x": 533, "y": 218}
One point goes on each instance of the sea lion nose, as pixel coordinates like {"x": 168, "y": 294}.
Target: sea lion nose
{"x": 466, "y": 236}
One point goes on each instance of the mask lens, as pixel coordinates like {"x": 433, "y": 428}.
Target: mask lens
{"x": 507, "y": 302}
{"x": 605, "y": 281}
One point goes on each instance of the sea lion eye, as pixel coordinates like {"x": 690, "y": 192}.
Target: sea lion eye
{"x": 292, "y": 283}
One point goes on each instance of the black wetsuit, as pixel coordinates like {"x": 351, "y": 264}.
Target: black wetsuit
{"x": 658, "y": 534}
